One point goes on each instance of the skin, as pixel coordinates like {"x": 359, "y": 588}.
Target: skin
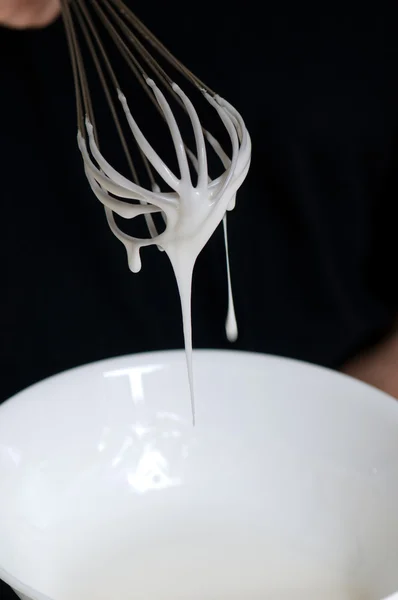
{"x": 378, "y": 366}
{"x": 25, "y": 14}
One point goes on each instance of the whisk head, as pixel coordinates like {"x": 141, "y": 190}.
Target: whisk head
{"x": 182, "y": 190}
{"x": 169, "y": 154}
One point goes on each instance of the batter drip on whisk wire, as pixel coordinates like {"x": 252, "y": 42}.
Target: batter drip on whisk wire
{"x": 191, "y": 203}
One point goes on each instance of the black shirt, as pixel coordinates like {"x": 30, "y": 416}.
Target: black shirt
{"x": 312, "y": 239}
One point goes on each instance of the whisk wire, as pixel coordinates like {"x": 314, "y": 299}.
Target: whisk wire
{"x": 83, "y": 97}
{"x": 192, "y": 210}
{"x": 157, "y": 45}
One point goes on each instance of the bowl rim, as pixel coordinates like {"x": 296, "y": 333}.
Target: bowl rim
{"x": 175, "y": 355}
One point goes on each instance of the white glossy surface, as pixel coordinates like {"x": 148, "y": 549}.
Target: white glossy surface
{"x": 286, "y": 488}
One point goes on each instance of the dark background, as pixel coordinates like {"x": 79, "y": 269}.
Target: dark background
{"x": 313, "y": 237}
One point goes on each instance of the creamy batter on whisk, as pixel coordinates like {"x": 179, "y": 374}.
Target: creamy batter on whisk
{"x": 191, "y": 210}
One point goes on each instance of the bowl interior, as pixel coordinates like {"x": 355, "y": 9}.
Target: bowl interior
{"x": 286, "y": 488}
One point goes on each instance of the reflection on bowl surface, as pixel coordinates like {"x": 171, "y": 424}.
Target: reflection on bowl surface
{"x": 286, "y": 488}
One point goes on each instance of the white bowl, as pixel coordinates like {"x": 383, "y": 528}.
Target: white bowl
{"x": 286, "y": 488}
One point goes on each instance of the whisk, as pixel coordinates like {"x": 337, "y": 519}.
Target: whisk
{"x": 191, "y": 204}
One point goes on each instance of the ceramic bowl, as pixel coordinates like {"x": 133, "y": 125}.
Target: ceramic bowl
{"x": 287, "y": 487}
